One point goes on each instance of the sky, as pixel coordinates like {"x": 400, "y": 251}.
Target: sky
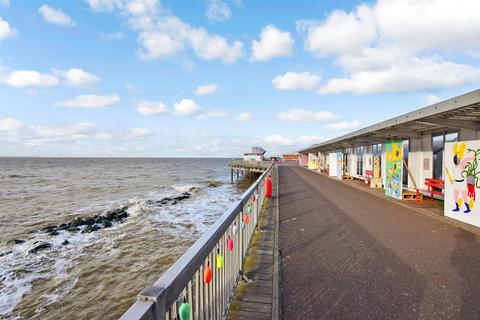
{"x": 212, "y": 78}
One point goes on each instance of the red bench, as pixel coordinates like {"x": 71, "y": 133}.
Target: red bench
{"x": 369, "y": 176}
{"x": 435, "y": 187}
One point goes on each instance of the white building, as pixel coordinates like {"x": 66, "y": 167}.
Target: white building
{"x": 256, "y": 155}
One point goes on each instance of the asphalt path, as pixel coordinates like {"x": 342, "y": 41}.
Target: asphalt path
{"x": 346, "y": 254}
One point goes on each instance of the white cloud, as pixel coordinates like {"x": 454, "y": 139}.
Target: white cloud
{"x": 296, "y": 81}
{"x": 216, "y": 144}
{"x": 6, "y": 31}
{"x": 302, "y": 115}
{"x": 212, "y": 114}
{"x": 341, "y": 32}
{"x": 206, "y": 89}
{"x": 186, "y": 107}
{"x": 91, "y": 101}
{"x": 163, "y": 35}
{"x": 446, "y": 25}
{"x": 80, "y": 138}
{"x": 119, "y": 35}
{"x": 280, "y": 140}
{"x": 148, "y": 108}
{"x": 273, "y": 43}
{"x": 76, "y": 77}
{"x": 55, "y": 16}
{"x": 218, "y": 11}
{"x": 140, "y": 132}
{"x": 399, "y": 73}
{"x": 5, "y": 3}
{"x": 10, "y": 124}
{"x": 132, "y": 88}
{"x": 385, "y": 47}
{"x": 29, "y": 78}
{"x": 431, "y": 99}
{"x": 343, "y": 125}
{"x": 244, "y": 117}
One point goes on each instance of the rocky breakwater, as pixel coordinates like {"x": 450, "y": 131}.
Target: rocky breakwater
{"x": 92, "y": 223}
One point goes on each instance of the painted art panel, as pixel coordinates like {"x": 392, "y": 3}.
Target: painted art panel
{"x": 339, "y": 165}
{"x": 332, "y": 164}
{"x": 462, "y": 181}
{"x": 312, "y": 161}
{"x": 394, "y": 169}
{"x": 303, "y": 160}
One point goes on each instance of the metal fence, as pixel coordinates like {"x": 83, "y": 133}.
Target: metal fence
{"x": 182, "y": 290}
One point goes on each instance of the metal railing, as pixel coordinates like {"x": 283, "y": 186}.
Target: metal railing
{"x": 184, "y": 281}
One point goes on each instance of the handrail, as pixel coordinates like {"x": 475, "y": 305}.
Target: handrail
{"x": 184, "y": 279}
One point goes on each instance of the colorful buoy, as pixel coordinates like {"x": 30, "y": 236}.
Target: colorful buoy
{"x": 207, "y": 274}
{"x": 234, "y": 228}
{"x": 229, "y": 244}
{"x": 243, "y": 225}
{"x": 247, "y": 219}
{"x": 249, "y": 209}
{"x": 184, "y": 310}
{"x": 220, "y": 260}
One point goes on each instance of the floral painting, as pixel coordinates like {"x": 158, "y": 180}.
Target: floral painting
{"x": 394, "y": 169}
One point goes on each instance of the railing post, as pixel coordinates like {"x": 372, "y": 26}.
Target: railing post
{"x": 156, "y": 295}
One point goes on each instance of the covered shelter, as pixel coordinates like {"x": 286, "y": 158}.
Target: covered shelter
{"x": 417, "y": 141}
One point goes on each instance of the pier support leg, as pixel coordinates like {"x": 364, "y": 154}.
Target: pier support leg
{"x": 231, "y": 175}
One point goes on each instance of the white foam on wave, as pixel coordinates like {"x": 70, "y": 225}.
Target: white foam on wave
{"x": 184, "y": 187}
{"x": 20, "y": 269}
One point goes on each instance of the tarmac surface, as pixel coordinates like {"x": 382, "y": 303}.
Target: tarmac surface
{"x": 346, "y": 254}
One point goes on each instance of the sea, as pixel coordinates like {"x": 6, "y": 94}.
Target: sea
{"x": 81, "y": 237}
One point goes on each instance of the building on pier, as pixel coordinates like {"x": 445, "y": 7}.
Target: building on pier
{"x": 403, "y": 155}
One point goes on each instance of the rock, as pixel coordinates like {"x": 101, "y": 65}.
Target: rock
{"x": 193, "y": 190}
{"x": 53, "y": 233}
{"x": 106, "y": 223}
{"x": 73, "y": 229}
{"x": 87, "y": 229}
{"x": 89, "y": 221}
{"x": 40, "y": 247}
{"x": 63, "y": 226}
{"x": 5, "y": 253}
{"x": 96, "y": 227}
{"x": 15, "y": 241}
{"x": 123, "y": 215}
{"x": 78, "y": 222}
{"x": 214, "y": 183}
{"x": 64, "y": 243}
{"x": 182, "y": 197}
{"x": 49, "y": 228}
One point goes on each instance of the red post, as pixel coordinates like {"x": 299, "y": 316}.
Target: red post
{"x": 268, "y": 192}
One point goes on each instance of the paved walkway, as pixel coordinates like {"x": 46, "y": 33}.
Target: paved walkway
{"x": 254, "y": 300}
{"x": 346, "y": 254}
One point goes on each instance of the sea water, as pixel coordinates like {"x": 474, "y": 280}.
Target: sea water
{"x": 97, "y": 275}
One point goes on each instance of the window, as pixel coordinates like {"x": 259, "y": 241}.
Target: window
{"x": 438, "y": 144}
{"x": 377, "y": 149}
{"x": 360, "y": 151}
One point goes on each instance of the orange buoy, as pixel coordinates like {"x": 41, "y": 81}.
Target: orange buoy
{"x": 247, "y": 218}
{"x": 207, "y": 274}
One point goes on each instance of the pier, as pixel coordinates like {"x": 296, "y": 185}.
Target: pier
{"x": 363, "y": 226}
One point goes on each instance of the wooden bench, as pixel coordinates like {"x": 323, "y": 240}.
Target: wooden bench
{"x": 435, "y": 187}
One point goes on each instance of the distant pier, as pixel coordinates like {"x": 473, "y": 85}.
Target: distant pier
{"x": 247, "y": 168}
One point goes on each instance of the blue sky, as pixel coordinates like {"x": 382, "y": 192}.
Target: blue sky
{"x": 214, "y": 77}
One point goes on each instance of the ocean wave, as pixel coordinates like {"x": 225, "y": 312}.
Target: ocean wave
{"x": 21, "y": 266}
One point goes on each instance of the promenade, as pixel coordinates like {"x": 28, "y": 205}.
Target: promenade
{"x": 347, "y": 254}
